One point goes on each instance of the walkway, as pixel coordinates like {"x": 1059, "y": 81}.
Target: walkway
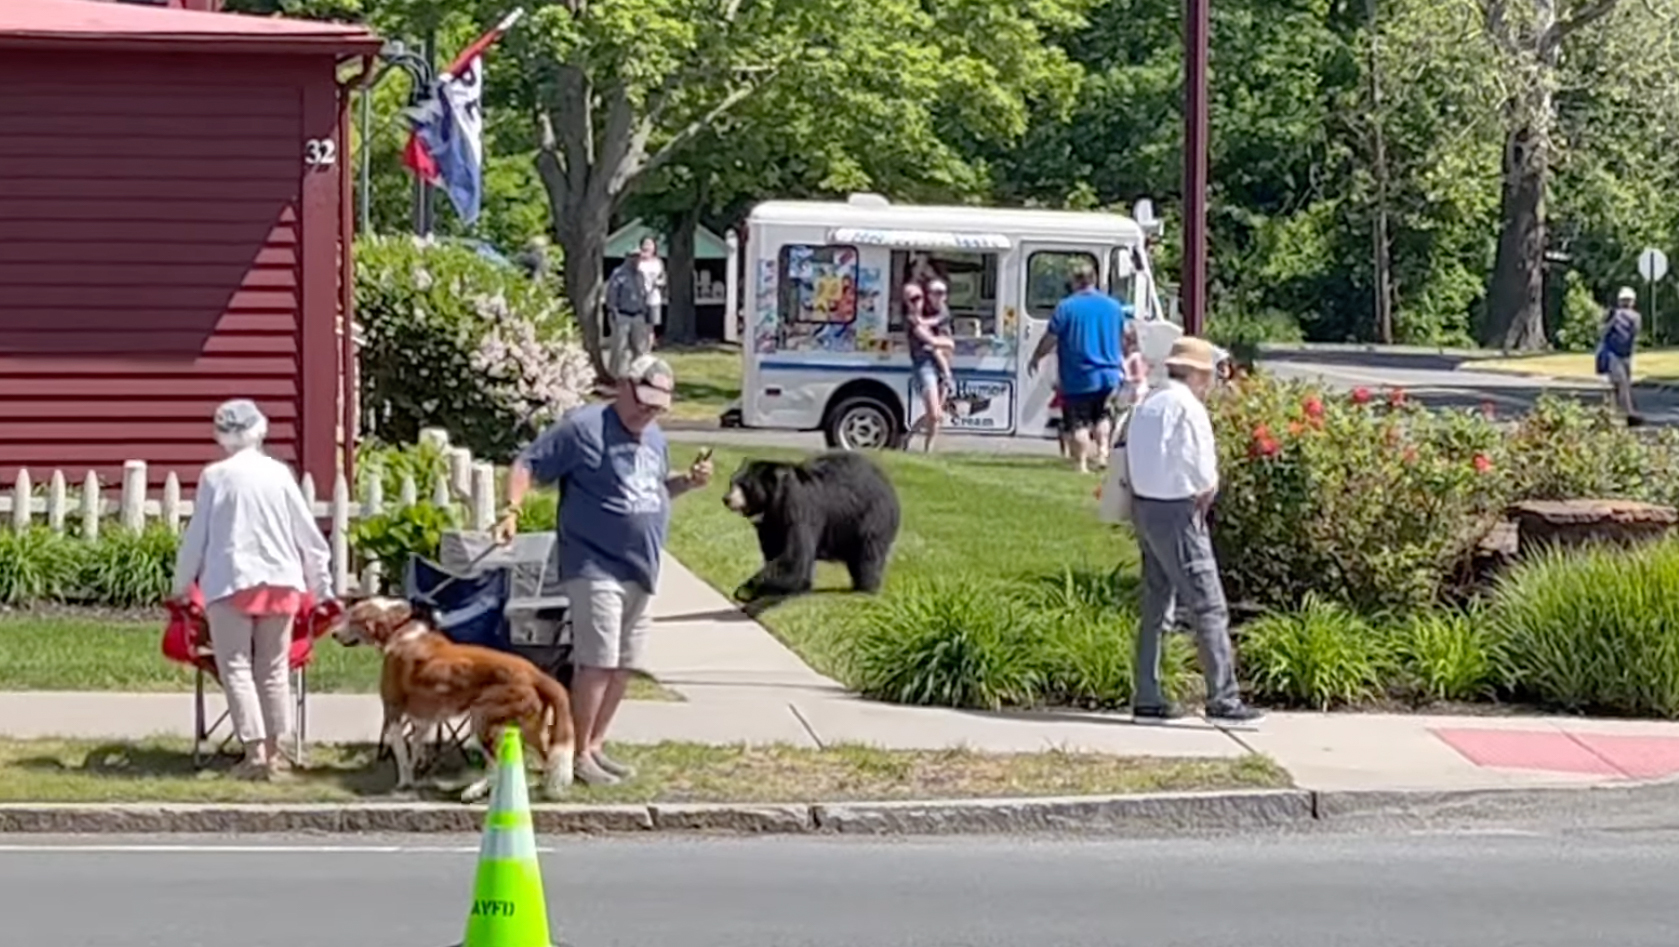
{"x": 740, "y": 684}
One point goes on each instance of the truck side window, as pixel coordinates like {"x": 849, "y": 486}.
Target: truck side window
{"x": 1122, "y": 274}
{"x": 818, "y": 284}
{"x": 971, "y": 276}
{"x": 1049, "y": 279}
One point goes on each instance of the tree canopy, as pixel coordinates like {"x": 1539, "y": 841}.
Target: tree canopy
{"x": 1430, "y": 171}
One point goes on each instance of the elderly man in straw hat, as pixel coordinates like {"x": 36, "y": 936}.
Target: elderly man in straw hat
{"x": 1174, "y": 477}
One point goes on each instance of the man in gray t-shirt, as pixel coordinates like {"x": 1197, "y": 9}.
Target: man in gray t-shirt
{"x": 613, "y": 469}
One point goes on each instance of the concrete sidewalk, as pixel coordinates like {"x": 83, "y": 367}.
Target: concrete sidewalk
{"x": 740, "y": 684}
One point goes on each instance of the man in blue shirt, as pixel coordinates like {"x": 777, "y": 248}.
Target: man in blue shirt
{"x": 613, "y": 468}
{"x": 1088, "y": 335}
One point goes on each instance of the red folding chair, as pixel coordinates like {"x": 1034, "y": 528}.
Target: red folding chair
{"x": 186, "y": 640}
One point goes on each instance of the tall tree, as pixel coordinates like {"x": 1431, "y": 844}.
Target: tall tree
{"x": 1529, "y": 35}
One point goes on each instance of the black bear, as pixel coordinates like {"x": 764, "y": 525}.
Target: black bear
{"x": 834, "y": 507}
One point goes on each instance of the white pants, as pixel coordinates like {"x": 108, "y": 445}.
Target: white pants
{"x": 252, "y": 659}
{"x": 632, "y": 337}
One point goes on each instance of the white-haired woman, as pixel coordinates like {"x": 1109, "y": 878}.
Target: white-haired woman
{"x": 253, "y": 548}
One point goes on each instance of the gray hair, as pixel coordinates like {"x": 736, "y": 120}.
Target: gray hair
{"x": 239, "y": 425}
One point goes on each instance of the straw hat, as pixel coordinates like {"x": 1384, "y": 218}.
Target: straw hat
{"x": 1194, "y": 353}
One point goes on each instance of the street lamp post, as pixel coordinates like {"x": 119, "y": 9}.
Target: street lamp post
{"x": 1196, "y": 40}
{"x": 419, "y": 69}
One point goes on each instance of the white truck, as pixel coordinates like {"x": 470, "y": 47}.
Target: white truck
{"x": 823, "y": 336}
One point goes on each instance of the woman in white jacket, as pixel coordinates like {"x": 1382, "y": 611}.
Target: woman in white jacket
{"x": 253, "y": 548}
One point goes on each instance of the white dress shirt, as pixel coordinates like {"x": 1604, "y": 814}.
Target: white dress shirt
{"x": 652, "y": 271}
{"x": 250, "y": 527}
{"x": 1169, "y": 446}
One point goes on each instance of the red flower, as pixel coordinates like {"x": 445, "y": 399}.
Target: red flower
{"x": 1410, "y": 455}
{"x": 1483, "y": 464}
{"x": 1263, "y": 447}
{"x": 1396, "y": 397}
{"x": 1361, "y": 396}
{"x": 1313, "y": 406}
{"x": 1295, "y": 429}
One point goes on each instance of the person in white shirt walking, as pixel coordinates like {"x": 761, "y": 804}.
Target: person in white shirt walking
{"x": 253, "y": 548}
{"x": 652, "y": 270}
{"x": 1174, "y": 478}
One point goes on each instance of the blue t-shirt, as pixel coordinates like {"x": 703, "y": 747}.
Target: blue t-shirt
{"x": 1087, "y": 327}
{"x": 614, "y": 505}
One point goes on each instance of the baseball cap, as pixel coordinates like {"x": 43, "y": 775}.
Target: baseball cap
{"x": 237, "y": 416}
{"x": 1627, "y": 294}
{"x": 653, "y": 380}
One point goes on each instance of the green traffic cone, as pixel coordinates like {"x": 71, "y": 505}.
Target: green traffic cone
{"x": 508, "y": 906}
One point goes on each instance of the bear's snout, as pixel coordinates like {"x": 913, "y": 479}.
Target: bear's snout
{"x": 735, "y": 500}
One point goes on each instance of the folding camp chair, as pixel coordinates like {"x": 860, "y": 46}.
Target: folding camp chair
{"x": 499, "y": 597}
{"x": 186, "y": 640}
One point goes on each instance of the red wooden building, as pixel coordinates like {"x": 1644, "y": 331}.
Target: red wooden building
{"x": 175, "y": 205}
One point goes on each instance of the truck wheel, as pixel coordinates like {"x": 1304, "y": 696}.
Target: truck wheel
{"x": 862, "y": 422}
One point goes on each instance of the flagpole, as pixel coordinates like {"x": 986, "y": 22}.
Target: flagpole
{"x": 422, "y": 188}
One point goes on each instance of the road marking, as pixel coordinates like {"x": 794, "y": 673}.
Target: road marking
{"x": 154, "y": 849}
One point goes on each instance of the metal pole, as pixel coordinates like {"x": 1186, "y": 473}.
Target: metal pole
{"x": 422, "y": 190}
{"x": 1196, "y": 38}
{"x": 366, "y": 160}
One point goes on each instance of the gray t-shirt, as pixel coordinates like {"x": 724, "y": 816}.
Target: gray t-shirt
{"x": 614, "y": 505}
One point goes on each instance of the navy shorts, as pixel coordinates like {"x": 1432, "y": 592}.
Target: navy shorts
{"x": 1086, "y": 410}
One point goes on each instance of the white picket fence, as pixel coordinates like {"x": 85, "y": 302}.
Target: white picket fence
{"x": 466, "y": 481}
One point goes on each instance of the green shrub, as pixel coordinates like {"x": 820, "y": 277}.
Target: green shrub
{"x": 1448, "y": 655}
{"x": 1581, "y": 324}
{"x": 394, "y": 536}
{"x": 1361, "y": 498}
{"x": 450, "y": 339}
{"x": 1567, "y": 450}
{"x": 1242, "y": 334}
{"x": 1594, "y": 630}
{"x": 952, "y": 642}
{"x": 424, "y": 463}
{"x": 127, "y": 569}
{"x": 37, "y": 565}
{"x": 1320, "y": 656}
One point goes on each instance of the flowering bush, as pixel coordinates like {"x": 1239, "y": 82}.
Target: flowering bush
{"x": 451, "y": 339}
{"x": 1362, "y": 498}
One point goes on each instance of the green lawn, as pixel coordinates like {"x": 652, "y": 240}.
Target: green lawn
{"x": 162, "y": 771}
{"x": 1648, "y": 365}
{"x": 70, "y": 654}
{"x": 982, "y": 515}
{"x": 707, "y": 379}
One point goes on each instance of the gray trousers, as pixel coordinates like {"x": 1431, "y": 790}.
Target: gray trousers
{"x": 632, "y": 337}
{"x": 1179, "y": 567}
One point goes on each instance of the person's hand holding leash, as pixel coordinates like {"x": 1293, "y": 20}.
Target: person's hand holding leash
{"x": 507, "y": 527}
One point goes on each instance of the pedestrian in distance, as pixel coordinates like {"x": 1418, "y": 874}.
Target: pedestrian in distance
{"x": 1174, "y": 480}
{"x": 1618, "y": 342}
{"x": 628, "y": 314}
{"x": 612, "y": 465}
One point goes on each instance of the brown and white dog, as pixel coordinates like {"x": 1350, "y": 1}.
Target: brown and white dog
{"x": 428, "y": 679}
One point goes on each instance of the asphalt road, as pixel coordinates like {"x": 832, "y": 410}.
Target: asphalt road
{"x": 1544, "y": 887}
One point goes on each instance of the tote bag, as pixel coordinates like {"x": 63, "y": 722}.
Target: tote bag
{"x": 1114, "y": 505}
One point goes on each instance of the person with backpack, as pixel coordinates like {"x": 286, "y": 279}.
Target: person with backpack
{"x": 629, "y": 314}
{"x": 1614, "y": 351}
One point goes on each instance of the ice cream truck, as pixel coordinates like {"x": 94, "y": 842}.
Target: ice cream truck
{"x": 825, "y": 347}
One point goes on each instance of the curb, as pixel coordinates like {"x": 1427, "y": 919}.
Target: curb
{"x": 1165, "y": 813}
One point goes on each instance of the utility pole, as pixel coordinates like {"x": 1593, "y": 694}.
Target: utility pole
{"x": 1197, "y": 36}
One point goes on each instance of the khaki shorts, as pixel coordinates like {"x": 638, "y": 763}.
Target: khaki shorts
{"x": 609, "y": 622}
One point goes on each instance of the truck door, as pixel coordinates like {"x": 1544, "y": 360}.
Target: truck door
{"x": 1046, "y": 279}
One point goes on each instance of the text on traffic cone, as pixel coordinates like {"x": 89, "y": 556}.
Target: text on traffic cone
{"x": 508, "y": 908}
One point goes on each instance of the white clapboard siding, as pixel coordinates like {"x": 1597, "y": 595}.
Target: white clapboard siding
{"x": 91, "y": 504}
